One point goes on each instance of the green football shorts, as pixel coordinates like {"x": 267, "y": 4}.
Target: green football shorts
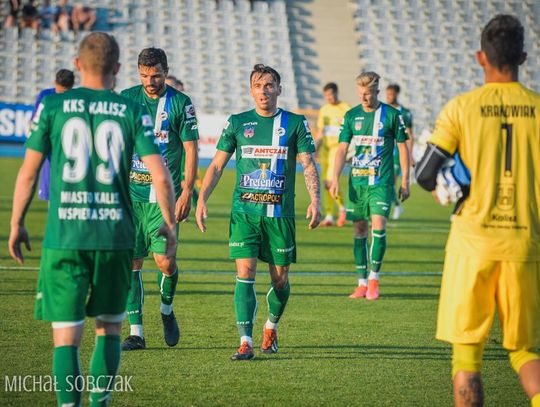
{"x": 272, "y": 240}
{"x": 73, "y": 284}
{"x": 148, "y": 219}
{"x": 367, "y": 200}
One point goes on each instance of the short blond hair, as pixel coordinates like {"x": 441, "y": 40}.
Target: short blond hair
{"x": 368, "y": 79}
{"x": 99, "y": 53}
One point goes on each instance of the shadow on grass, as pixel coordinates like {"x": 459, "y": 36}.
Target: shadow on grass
{"x": 370, "y": 351}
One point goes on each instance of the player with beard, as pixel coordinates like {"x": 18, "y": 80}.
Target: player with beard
{"x": 175, "y": 128}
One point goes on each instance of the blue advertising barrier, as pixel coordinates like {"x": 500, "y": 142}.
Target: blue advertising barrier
{"x": 14, "y": 120}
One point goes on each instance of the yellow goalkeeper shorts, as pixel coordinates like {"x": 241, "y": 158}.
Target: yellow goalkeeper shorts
{"x": 473, "y": 287}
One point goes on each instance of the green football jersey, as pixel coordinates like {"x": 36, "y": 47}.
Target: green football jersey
{"x": 174, "y": 123}
{"x": 373, "y": 135}
{"x": 90, "y": 136}
{"x": 266, "y": 149}
{"x": 407, "y": 116}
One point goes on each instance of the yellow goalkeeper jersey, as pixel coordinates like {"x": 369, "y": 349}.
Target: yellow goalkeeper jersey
{"x": 329, "y": 120}
{"x": 496, "y": 129}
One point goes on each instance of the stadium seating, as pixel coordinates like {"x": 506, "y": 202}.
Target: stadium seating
{"x": 428, "y": 46}
{"x": 211, "y": 46}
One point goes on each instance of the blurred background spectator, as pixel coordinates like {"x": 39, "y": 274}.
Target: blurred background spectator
{"x": 82, "y": 18}
{"x": 30, "y": 17}
{"x": 13, "y": 16}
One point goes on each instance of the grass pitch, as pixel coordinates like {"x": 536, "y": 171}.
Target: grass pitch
{"x": 333, "y": 351}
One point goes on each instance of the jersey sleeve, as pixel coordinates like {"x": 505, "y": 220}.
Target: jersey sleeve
{"x": 304, "y": 139}
{"x": 189, "y": 130}
{"x": 446, "y": 132}
{"x": 345, "y": 133}
{"x": 227, "y": 141}
{"x": 400, "y": 129}
{"x": 409, "y": 122}
{"x": 145, "y": 141}
{"x": 40, "y": 129}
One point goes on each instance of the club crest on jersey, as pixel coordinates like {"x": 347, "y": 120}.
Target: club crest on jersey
{"x": 380, "y": 125}
{"x": 163, "y": 115}
{"x": 280, "y": 132}
{"x": 249, "y": 131}
{"x": 190, "y": 111}
{"x": 358, "y": 123}
{"x": 263, "y": 179}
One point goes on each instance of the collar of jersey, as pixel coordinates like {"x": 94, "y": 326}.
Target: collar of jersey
{"x": 278, "y": 111}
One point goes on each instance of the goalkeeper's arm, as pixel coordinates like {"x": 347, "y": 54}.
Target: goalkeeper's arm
{"x": 429, "y": 166}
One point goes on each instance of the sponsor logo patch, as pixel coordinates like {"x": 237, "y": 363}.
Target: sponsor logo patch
{"x": 140, "y": 177}
{"x": 368, "y": 140}
{"x": 366, "y": 160}
{"x": 147, "y": 120}
{"x": 261, "y": 198}
{"x": 264, "y": 152}
{"x": 306, "y": 125}
{"x": 162, "y": 136}
{"x": 190, "y": 112}
{"x": 263, "y": 179}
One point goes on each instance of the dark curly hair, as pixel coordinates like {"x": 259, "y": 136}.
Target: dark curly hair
{"x": 150, "y": 57}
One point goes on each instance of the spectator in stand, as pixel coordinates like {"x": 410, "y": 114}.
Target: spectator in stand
{"x": 82, "y": 18}
{"x": 30, "y": 17}
{"x": 62, "y": 21}
{"x": 47, "y": 13}
{"x": 13, "y": 16}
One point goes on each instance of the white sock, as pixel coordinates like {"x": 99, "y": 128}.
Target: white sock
{"x": 373, "y": 275}
{"x": 165, "y": 309}
{"x": 136, "y": 330}
{"x": 247, "y": 339}
{"x": 271, "y": 325}
{"x": 362, "y": 281}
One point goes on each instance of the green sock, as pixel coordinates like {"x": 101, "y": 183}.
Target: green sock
{"x": 360, "y": 256}
{"x": 167, "y": 286}
{"x": 103, "y": 368}
{"x": 378, "y": 247}
{"x": 277, "y": 300}
{"x": 66, "y": 368}
{"x": 135, "y": 299}
{"x": 245, "y": 305}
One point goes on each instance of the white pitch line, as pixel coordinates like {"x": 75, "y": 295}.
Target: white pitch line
{"x": 298, "y": 273}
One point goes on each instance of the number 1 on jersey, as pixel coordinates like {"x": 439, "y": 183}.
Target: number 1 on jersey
{"x": 508, "y": 150}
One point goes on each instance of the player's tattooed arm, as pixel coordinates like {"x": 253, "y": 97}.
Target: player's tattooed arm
{"x": 313, "y": 186}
